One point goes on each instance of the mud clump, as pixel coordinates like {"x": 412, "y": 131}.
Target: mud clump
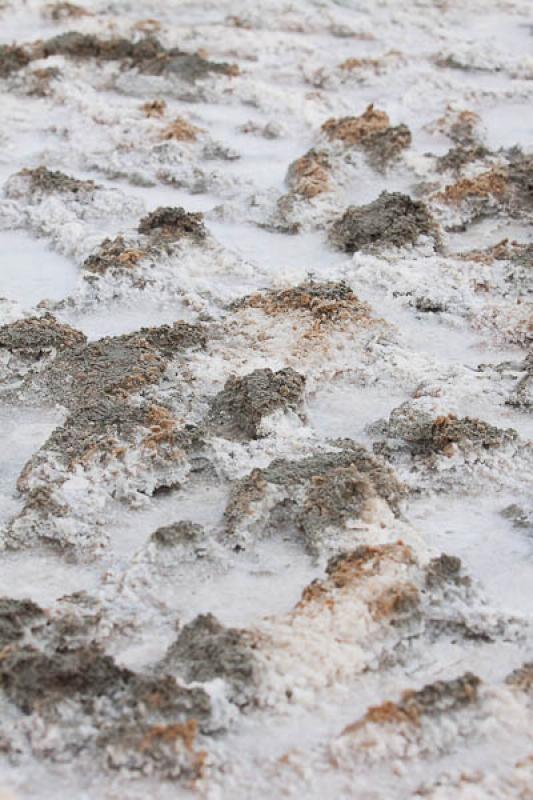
{"x": 177, "y": 534}
{"x": 449, "y": 430}
{"x": 15, "y": 617}
{"x": 425, "y": 436}
{"x": 490, "y": 185}
{"x": 519, "y": 517}
{"x": 458, "y": 157}
{"x": 172, "y": 224}
{"x": 393, "y": 220}
{"x": 441, "y": 697}
{"x": 63, "y": 664}
{"x": 181, "y": 131}
{"x": 522, "y": 678}
{"x": 46, "y": 181}
{"x": 206, "y": 650}
{"x": 314, "y": 494}
{"x": 522, "y": 394}
{"x": 240, "y": 407}
{"x": 386, "y": 146}
{"x": 373, "y": 133}
{"x": 445, "y": 570}
{"x": 148, "y": 55}
{"x": 113, "y": 256}
{"x": 354, "y": 130}
{"x": 115, "y": 367}
{"x": 520, "y": 171}
{"x": 434, "y": 699}
{"x": 188, "y": 67}
{"x": 37, "y": 337}
{"x": 397, "y": 602}
{"x": 325, "y": 302}
{"x": 92, "y": 428}
{"x": 309, "y": 176}
{"x": 84, "y": 46}
{"x": 167, "y": 749}
{"x": 30, "y": 677}
{"x": 154, "y": 108}
{"x": 12, "y": 59}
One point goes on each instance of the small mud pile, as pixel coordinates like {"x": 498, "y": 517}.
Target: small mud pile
{"x": 206, "y": 650}
{"x": 323, "y": 302}
{"x": 308, "y": 176}
{"x": 239, "y": 408}
{"x": 37, "y": 338}
{"x": 314, "y": 495}
{"x": 393, "y": 220}
{"x": 172, "y": 224}
{"x": 372, "y": 133}
{"x": 41, "y": 180}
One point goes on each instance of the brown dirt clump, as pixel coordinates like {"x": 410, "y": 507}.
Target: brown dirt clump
{"x": 393, "y": 220}
{"x": 309, "y": 176}
{"x": 329, "y": 301}
{"x": 172, "y": 224}
{"x": 445, "y": 570}
{"x": 458, "y": 157}
{"x": 522, "y": 678}
{"x": 12, "y": 59}
{"x": 354, "y": 130}
{"x": 115, "y": 367}
{"x": 154, "y": 108}
{"x": 426, "y": 437}
{"x": 181, "y": 131}
{"x": 354, "y": 64}
{"x": 16, "y": 616}
{"x": 42, "y": 179}
{"x": 113, "y": 255}
{"x": 372, "y": 132}
{"x": 179, "y": 533}
{"x": 493, "y": 183}
{"x": 346, "y": 569}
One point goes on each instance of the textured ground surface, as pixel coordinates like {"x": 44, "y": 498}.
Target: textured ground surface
{"x": 266, "y": 381}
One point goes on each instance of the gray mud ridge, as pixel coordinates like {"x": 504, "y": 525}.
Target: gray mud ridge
{"x": 147, "y": 55}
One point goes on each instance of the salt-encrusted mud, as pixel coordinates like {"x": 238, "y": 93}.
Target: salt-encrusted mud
{"x": 266, "y": 456}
